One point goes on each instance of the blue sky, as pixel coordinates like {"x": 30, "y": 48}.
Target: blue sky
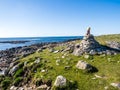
{"x": 33, "y": 18}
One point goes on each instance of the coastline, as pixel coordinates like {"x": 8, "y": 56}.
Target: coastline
{"x": 12, "y": 54}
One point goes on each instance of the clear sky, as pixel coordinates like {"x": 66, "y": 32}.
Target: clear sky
{"x": 30, "y": 18}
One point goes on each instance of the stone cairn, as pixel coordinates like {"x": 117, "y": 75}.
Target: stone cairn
{"x": 89, "y": 46}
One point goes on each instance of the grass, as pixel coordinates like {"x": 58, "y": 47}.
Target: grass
{"x": 108, "y": 67}
{"x": 103, "y": 38}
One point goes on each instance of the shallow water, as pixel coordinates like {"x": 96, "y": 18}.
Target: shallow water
{"x": 33, "y": 40}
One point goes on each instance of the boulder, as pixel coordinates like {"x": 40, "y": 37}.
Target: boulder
{"x": 60, "y": 81}
{"x": 83, "y": 65}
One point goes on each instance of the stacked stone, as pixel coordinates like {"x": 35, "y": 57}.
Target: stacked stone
{"x": 87, "y": 45}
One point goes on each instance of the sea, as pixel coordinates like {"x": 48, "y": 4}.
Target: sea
{"x": 34, "y": 40}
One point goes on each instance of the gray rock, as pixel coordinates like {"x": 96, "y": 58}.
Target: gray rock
{"x": 83, "y": 65}
{"x": 113, "y": 44}
{"x": 14, "y": 69}
{"x": 60, "y": 81}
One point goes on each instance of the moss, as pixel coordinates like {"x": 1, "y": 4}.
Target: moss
{"x": 17, "y": 81}
{"x": 5, "y": 84}
{"x": 19, "y": 73}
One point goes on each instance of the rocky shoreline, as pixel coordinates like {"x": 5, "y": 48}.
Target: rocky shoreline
{"x": 10, "y": 55}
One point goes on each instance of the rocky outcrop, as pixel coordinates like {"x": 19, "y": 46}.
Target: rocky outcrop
{"x": 113, "y": 44}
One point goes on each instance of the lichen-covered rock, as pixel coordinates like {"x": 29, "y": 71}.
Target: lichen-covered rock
{"x": 60, "y": 81}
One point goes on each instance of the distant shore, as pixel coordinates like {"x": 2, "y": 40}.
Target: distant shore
{"x": 14, "y": 42}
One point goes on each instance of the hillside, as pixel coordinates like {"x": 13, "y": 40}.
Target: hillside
{"x": 112, "y": 37}
{"x": 42, "y": 68}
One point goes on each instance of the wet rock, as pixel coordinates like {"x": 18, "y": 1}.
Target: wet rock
{"x": 60, "y": 81}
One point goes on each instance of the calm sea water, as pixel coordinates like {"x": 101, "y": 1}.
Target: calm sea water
{"x": 33, "y": 40}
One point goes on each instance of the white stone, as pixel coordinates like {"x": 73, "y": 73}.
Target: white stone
{"x": 60, "y": 81}
{"x": 13, "y": 88}
{"x": 56, "y": 51}
{"x": 43, "y": 71}
{"x": 115, "y": 85}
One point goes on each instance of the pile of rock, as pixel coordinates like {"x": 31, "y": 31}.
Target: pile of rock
{"x": 90, "y": 46}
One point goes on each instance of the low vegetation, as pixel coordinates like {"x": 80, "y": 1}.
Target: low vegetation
{"x": 103, "y": 38}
